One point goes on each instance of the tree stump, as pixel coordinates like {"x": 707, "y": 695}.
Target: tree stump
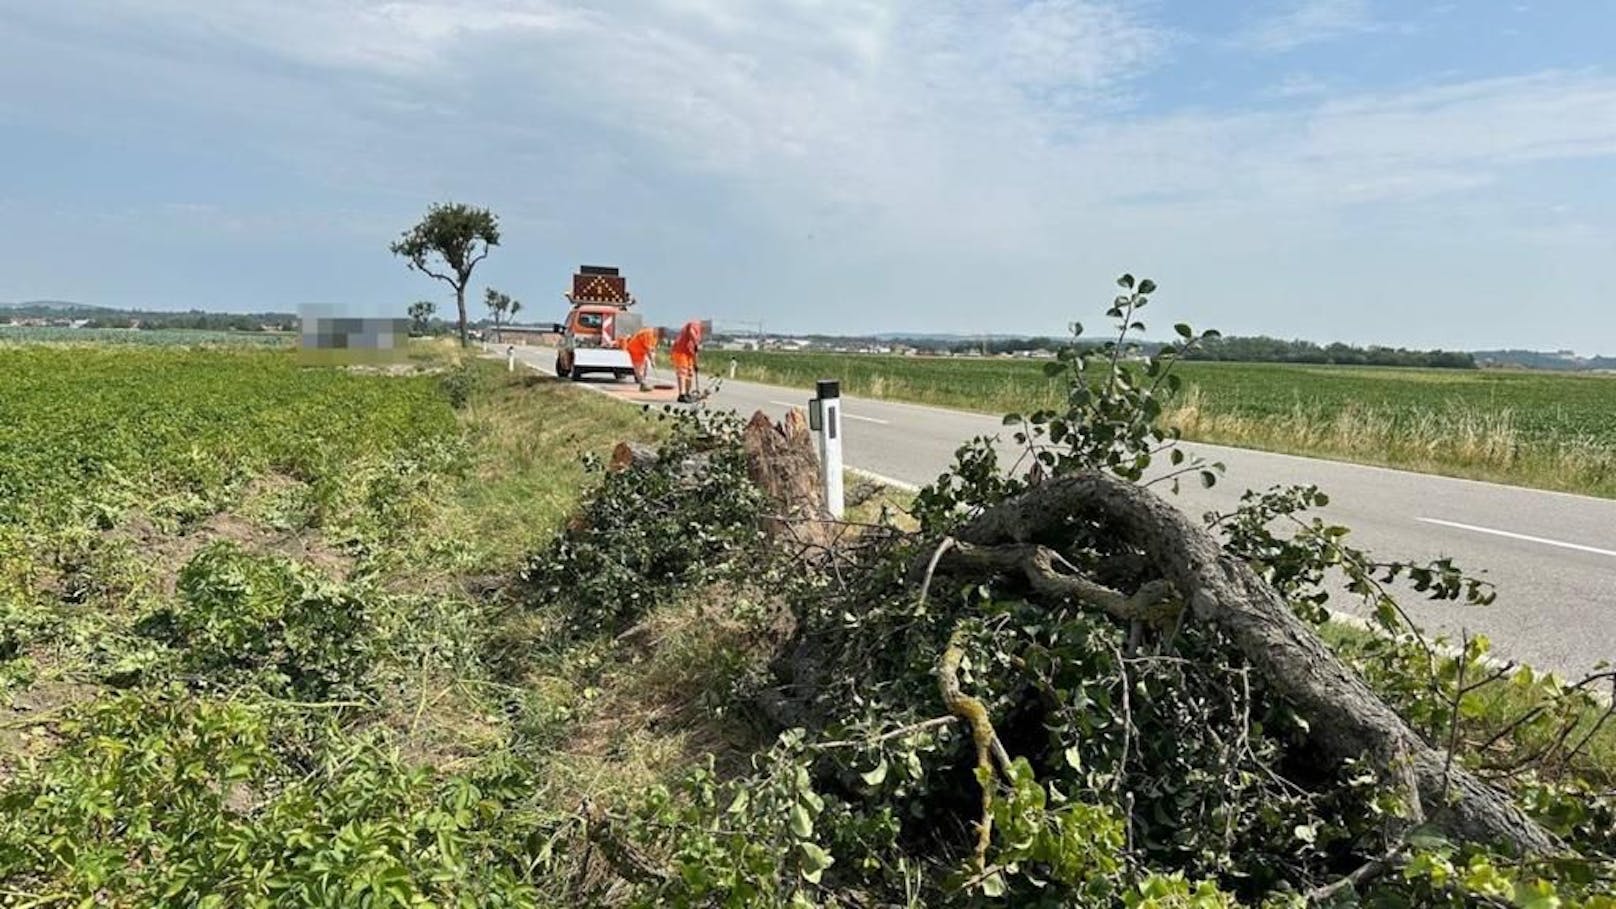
{"x": 781, "y": 461}
{"x": 628, "y": 455}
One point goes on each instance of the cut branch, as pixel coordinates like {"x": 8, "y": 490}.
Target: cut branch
{"x": 1346, "y": 719}
{"x": 974, "y": 713}
{"x": 1153, "y": 603}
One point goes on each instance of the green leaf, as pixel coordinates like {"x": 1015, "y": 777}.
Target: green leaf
{"x": 814, "y": 861}
{"x": 1011, "y": 419}
{"x": 1184, "y": 330}
{"x": 875, "y": 775}
{"x": 1126, "y": 281}
{"x": 1147, "y": 286}
{"x": 801, "y": 824}
{"x": 993, "y": 885}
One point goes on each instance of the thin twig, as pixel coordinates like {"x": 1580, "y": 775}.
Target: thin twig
{"x": 895, "y": 733}
{"x": 1453, "y": 712}
{"x": 945, "y": 545}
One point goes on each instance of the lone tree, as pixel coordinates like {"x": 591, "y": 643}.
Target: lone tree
{"x": 503, "y": 307}
{"x": 421, "y": 313}
{"x": 448, "y": 244}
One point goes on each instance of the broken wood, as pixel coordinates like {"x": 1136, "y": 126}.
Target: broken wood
{"x": 781, "y": 461}
{"x": 1346, "y": 719}
{"x": 628, "y": 455}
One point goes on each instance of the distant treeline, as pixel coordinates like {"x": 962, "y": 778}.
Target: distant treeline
{"x": 1235, "y": 349}
{"x": 1533, "y": 359}
{"x": 1273, "y": 350}
{"x": 206, "y": 321}
{"x": 102, "y": 317}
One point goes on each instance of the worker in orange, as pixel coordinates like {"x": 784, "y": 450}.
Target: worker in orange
{"x": 686, "y": 347}
{"x": 642, "y": 353}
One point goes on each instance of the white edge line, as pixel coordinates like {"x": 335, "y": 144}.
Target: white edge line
{"x": 882, "y": 479}
{"x": 845, "y": 414}
{"x": 1519, "y": 536}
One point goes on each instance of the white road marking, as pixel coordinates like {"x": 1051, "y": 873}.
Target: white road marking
{"x": 883, "y": 479}
{"x": 1520, "y": 536}
{"x": 845, "y": 414}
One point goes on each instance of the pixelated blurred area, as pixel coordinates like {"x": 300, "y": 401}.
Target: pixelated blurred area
{"x": 328, "y": 338}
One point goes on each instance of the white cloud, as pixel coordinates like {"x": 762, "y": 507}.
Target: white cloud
{"x": 1307, "y": 22}
{"x": 912, "y": 142}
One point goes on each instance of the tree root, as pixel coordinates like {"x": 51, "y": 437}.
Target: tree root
{"x": 988, "y": 747}
{"x": 1346, "y": 719}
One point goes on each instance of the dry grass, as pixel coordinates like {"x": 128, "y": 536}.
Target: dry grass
{"x": 1455, "y": 441}
{"x": 530, "y": 435}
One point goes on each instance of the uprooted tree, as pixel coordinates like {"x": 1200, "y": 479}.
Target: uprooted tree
{"x": 1059, "y": 689}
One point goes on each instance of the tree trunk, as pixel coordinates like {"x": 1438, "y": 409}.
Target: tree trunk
{"x": 1346, "y": 719}
{"x": 460, "y": 303}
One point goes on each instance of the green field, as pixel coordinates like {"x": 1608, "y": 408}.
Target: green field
{"x": 162, "y": 337}
{"x": 241, "y": 640}
{"x": 1548, "y": 430}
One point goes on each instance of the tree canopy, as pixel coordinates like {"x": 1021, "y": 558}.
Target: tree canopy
{"x": 447, "y": 244}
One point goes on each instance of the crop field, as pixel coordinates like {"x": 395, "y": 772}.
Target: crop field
{"x": 161, "y": 337}
{"x": 1546, "y": 430}
{"x": 240, "y": 662}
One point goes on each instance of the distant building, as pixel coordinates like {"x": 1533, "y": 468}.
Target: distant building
{"x": 530, "y": 335}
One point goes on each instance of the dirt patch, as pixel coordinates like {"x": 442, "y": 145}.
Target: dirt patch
{"x": 27, "y": 724}
{"x": 396, "y": 369}
{"x": 166, "y": 552}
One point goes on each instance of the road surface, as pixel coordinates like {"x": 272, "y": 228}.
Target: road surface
{"x": 1552, "y": 556}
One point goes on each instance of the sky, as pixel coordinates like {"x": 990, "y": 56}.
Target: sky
{"x": 1419, "y": 174}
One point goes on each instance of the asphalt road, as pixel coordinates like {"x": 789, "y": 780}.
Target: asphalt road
{"x": 1552, "y": 556}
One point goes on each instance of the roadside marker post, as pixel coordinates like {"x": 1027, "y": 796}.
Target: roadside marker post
{"x": 825, "y": 419}
{"x": 510, "y": 358}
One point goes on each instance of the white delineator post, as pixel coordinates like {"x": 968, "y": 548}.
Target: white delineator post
{"x": 510, "y": 358}
{"x": 825, "y": 418}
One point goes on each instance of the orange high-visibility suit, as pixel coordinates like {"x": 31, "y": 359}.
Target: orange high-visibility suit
{"x": 685, "y": 348}
{"x": 639, "y": 348}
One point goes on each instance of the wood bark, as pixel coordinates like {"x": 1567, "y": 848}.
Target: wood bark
{"x": 1346, "y": 719}
{"x": 782, "y": 462}
{"x": 629, "y": 455}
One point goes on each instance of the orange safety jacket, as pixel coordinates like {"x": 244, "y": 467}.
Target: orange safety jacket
{"x": 639, "y": 346}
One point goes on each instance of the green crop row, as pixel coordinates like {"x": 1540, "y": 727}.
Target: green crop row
{"x": 95, "y": 431}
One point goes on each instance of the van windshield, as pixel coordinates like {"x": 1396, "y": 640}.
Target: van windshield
{"x": 590, "y": 319}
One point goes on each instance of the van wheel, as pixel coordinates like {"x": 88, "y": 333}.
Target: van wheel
{"x": 558, "y": 370}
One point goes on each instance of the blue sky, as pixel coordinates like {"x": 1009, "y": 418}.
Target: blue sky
{"x": 1395, "y": 172}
